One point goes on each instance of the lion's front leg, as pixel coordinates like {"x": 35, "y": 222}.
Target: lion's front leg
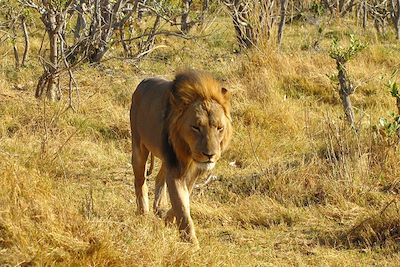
{"x": 179, "y": 195}
{"x": 160, "y": 192}
{"x": 170, "y": 215}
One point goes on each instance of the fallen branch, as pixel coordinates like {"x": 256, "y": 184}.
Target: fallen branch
{"x": 353, "y": 229}
{"x": 211, "y": 178}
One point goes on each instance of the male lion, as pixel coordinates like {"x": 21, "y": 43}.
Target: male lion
{"x": 187, "y": 124}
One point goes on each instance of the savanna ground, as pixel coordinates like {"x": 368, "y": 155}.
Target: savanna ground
{"x": 304, "y": 189}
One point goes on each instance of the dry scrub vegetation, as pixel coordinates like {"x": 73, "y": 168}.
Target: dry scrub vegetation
{"x": 304, "y": 189}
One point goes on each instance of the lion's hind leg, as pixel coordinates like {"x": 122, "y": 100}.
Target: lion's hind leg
{"x": 139, "y": 158}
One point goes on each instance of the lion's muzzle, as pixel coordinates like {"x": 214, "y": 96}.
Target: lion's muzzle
{"x": 206, "y": 166}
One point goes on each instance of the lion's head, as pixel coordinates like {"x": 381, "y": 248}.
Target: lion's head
{"x": 199, "y": 121}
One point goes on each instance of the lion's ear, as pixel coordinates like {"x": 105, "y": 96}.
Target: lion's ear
{"x": 176, "y": 101}
{"x": 226, "y": 93}
{"x": 173, "y": 99}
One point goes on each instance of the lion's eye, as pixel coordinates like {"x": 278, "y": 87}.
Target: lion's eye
{"x": 220, "y": 129}
{"x": 196, "y": 129}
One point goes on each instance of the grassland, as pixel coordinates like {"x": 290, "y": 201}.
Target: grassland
{"x": 304, "y": 189}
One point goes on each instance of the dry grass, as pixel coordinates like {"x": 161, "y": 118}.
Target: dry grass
{"x": 306, "y": 190}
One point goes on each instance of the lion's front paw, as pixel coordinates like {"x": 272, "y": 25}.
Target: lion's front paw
{"x": 169, "y": 218}
{"x": 160, "y": 213}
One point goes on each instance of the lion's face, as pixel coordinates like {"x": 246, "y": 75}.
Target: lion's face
{"x": 204, "y": 132}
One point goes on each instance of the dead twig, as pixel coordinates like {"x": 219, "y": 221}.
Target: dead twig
{"x": 64, "y": 144}
{"x": 211, "y": 178}
{"x": 255, "y": 152}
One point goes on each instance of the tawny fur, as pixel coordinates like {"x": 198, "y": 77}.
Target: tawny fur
{"x": 189, "y": 87}
{"x": 186, "y": 123}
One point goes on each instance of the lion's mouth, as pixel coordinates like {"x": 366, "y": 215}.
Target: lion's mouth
{"x": 208, "y": 165}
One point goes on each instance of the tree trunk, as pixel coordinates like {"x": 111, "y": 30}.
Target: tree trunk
{"x": 49, "y": 79}
{"x": 284, "y": 4}
{"x": 269, "y": 17}
{"x": 16, "y": 54}
{"x": 14, "y": 42}
{"x": 340, "y": 6}
{"x": 244, "y": 31}
{"x": 365, "y": 14}
{"x": 398, "y": 112}
{"x": 140, "y": 9}
{"x": 102, "y": 31}
{"x": 52, "y": 84}
{"x": 328, "y": 6}
{"x": 348, "y": 108}
{"x": 26, "y": 41}
{"x": 398, "y": 104}
{"x": 244, "y": 36}
{"x": 395, "y": 15}
{"x": 345, "y": 90}
{"x": 206, "y": 4}
{"x": 204, "y": 10}
{"x": 185, "y": 24}
{"x": 346, "y": 7}
{"x": 80, "y": 20}
{"x": 106, "y": 24}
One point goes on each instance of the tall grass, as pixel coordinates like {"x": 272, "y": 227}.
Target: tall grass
{"x": 296, "y": 187}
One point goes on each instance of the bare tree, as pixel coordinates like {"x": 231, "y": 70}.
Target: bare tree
{"x": 106, "y": 17}
{"x": 252, "y": 20}
{"x": 16, "y": 20}
{"x": 146, "y": 45}
{"x": 244, "y": 30}
{"x": 187, "y": 22}
{"x": 113, "y": 22}
{"x": 346, "y": 87}
{"x": 339, "y": 7}
{"x": 283, "y": 8}
{"x": 395, "y": 16}
{"x": 104, "y": 22}
{"x": 144, "y": 38}
{"x": 126, "y": 32}
{"x": 380, "y": 14}
{"x": 54, "y": 16}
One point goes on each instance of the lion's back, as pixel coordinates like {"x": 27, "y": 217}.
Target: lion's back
{"x": 147, "y": 114}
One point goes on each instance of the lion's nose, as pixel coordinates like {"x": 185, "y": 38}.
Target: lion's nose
{"x": 210, "y": 155}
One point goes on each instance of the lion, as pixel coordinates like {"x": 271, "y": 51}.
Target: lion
{"x": 187, "y": 124}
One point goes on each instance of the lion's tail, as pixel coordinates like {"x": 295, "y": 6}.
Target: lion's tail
{"x": 151, "y": 167}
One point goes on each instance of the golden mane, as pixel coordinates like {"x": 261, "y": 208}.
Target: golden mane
{"x": 190, "y": 86}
